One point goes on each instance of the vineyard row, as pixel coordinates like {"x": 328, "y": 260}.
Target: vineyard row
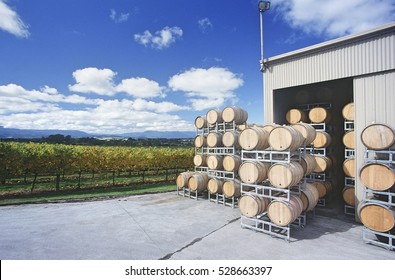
{"x": 26, "y": 159}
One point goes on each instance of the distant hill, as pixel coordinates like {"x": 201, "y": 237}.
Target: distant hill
{"x": 38, "y": 133}
{"x": 160, "y": 134}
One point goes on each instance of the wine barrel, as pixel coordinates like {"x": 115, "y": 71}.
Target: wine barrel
{"x": 200, "y": 160}
{"x": 254, "y": 138}
{"x": 323, "y": 164}
{"x": 214, "y": 139}
{"x": 308, "y": 163}
{"x": 214, "y": 185}
{"x": 349, "y": 195}
{"x": 376, "y": 216}
{"x": 231, "y": 188}
{"x": 198, "y": 182}
{"x": 270, "y": 127}
{"x": 253, "y": 171}
{"x": 241, "y": 127}
{"x": 349, "y": 139}
{"x": 349, "y": 167}
{"x": 215, "y": 162}
{"x": 231, "y": 163}
{"x": 200, "y": 122}
{"x": 200, "y": 141}
{"x": 378, "y": 137}
{"x": 319, "y": 115}
{"x": 377, "y": 176}
{"x": 231, "y": 139}
{"x": 251, "y": 205}
{"x": 214, "y": 116}
{"x": 182, "y": 179}
{"x": 283, "y": 213}
{"x": 309, "y": 196}
{"x": 285, "y": 138}
{"x": 322, "y": 139}
{"x": 308, "y": 132}
{"x": 323, "y": 188}
{"x": 234, "y": 114}
{"x": 348, "y": 112}
{"x": 295, "y": 115}
{"x": 285, "y": 175}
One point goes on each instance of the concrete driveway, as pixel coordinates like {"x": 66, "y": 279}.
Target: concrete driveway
{"x": 167, "y": 226}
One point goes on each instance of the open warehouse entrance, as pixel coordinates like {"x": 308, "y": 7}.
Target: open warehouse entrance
{"x": 334, "y": 96}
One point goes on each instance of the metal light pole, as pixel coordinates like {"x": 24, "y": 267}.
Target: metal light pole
{"x": 262, "y": 7}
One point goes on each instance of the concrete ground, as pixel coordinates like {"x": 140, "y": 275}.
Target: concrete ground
{"x": 168, "y": 226}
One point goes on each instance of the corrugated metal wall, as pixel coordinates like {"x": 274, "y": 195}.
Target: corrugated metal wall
{"x": 374, "y": 99}
{"x": 370, "y": 54}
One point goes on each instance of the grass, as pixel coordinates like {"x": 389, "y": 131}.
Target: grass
{"x": 101, "y": 186}
{"x": 87, "y": 194}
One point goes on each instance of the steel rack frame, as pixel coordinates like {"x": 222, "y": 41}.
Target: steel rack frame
{"x": 388, "y": 195}
{"x": 381, "y": 156}
{"x": 263, "y": 224}
{"x": 221, "y": 199}
{"x": 187, "y": 192}
{"x": 387, "y": 198}
{"x": 315, "y": 151}
{"x": 370, "y": 237}
{"x": 349, "y": 181}
{"x": 269, "y": 191}
{"x": 219, "y": 150}
{"x": 270, "y": 156}
{"x": 349, "y": 210}
{"x": 316, "y": 177}
{"x": 348, "y": 125}
{"x": 221, "y": 174}
{"x": 349, "y": 153}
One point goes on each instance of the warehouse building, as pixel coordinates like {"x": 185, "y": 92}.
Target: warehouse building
{"x": 358, "y": 68}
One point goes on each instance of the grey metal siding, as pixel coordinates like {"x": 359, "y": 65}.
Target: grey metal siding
{"x": 374, "y": 99}
{"x": 372, "y": 54}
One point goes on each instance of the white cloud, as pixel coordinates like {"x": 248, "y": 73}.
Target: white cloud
{"x": 205, "y": 25}
{"x": 15, "y": 98}
{"x": 108, "y": 116}
{"x": 11, "y": 22}
{"x": 140, "y": 87}
{"x": 101, "y": 81}
{"x": 336, "y": 17}
{"x": 93, "y": 80}
{"x": 118, "y": 18}
{"x": 207, "y": 88}
{"x": 48, "y": 109}
{"x": 162, "y": 38}
{"x": 160, "y": 107}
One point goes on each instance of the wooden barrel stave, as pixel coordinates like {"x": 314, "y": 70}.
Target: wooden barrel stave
{"x": 182, "y": 179}
{"x": 377, "y": 176}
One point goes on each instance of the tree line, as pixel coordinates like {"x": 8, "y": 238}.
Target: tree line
{"x": 93, "y": 141}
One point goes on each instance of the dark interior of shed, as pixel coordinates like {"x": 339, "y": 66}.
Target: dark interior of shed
{"x": 334, "y": 95}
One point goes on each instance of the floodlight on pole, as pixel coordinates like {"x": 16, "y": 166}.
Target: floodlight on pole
{"x": 262, "y": 7}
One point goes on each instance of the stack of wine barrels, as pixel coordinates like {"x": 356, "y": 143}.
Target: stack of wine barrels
{"x": 349, "y": 167}
{"x": 323, "y": 140}
{"x": 278, "y": 175}
{"x": 317, "y": 140}
{"x": 217, "y": 150}
{"x": 195, "y": 181}
{"x": 378, "y": 176}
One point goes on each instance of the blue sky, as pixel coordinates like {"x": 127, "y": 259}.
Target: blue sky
{"x": 118, "y": 66}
